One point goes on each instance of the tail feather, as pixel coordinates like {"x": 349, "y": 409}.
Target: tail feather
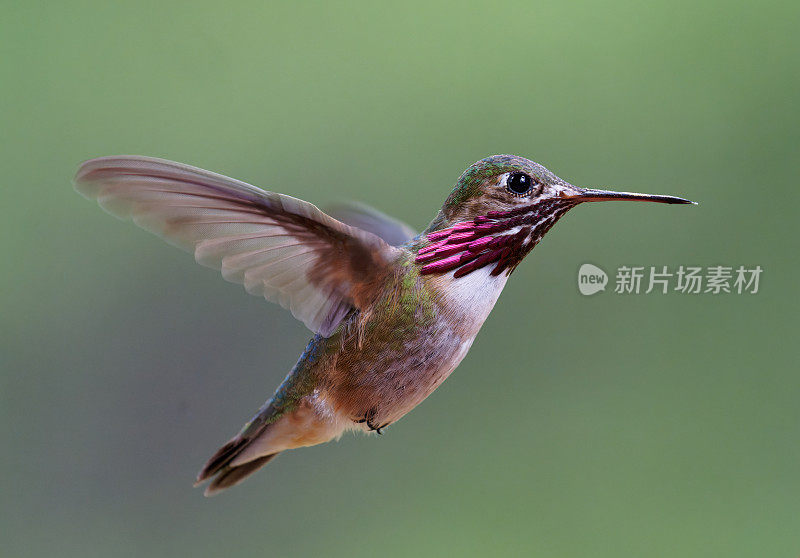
{"x": 265, "y": 436}
{"x": 228, "y": 476}
{"x": 224, "y": 474}
{"x": 221, "y": 458}
{"x": 219, "y": 466}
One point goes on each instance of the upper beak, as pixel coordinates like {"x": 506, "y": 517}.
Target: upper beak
{"x": 588, "y": 194}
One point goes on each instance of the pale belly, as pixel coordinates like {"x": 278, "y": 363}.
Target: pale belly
{"x": 391, "y": 372}
{"x": 399, "y": 380}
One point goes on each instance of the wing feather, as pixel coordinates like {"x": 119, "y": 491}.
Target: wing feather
{"x": 368, "y": 218}
{"x": 278, "y": 247}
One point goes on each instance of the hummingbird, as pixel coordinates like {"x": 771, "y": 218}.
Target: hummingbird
{"x": 393, "y": 312}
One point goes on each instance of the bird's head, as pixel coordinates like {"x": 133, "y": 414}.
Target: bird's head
{"x": 500, "y": 208}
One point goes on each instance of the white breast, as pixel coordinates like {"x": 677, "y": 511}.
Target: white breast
{"x": 467, "y": 300}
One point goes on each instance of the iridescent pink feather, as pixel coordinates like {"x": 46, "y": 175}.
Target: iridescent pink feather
{"x": 485, "y": 240}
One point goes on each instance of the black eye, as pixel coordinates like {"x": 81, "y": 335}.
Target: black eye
{"x": 519, "y": 183}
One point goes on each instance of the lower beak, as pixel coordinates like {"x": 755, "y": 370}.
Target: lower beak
{"x": 587, "y": 195}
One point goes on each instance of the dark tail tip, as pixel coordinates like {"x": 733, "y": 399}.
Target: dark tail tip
{"x": 229, "y": 476}
{"x": 220, "y": 459}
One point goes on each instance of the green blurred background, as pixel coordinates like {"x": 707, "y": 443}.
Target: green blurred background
{"x": 650, "y": 425}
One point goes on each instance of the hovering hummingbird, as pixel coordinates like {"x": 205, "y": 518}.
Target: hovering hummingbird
{"x": 393, "y": 312}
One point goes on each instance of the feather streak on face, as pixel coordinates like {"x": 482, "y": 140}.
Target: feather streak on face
{"x": 502, "y": 238}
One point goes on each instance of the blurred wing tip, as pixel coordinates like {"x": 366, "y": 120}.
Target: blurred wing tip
{"x": 361, "y": 216}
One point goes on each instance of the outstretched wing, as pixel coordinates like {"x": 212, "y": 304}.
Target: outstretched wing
{"x": 367, "y": 218}
{"x": 277, "y": 246}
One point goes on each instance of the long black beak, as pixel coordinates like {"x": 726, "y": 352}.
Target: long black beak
{"x": 588, "y": 194}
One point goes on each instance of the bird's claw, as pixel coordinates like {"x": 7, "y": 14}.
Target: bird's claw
{"x": 367, "y": 418}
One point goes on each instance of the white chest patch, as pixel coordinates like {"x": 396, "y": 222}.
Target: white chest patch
{"x": 469, "y": 299}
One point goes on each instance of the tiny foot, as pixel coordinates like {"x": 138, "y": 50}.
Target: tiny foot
{"x": 368, "y": 417}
